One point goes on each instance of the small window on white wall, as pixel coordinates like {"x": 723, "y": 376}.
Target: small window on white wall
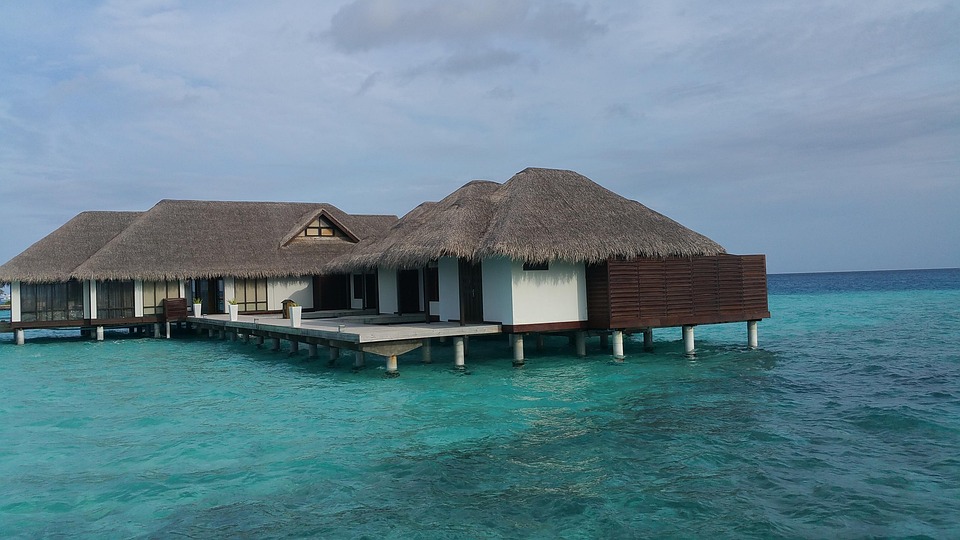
{"x": 531, "y": 267}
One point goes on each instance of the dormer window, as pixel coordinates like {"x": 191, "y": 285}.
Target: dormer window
{"x": 320, "y": 227}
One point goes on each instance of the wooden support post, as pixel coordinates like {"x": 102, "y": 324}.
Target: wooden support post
{"x": 168, "y": 330}
{"x": 294, "y": 346}
{"x": 604, "y": 341}
{"x": 458, "y": 353}
{"x": 392, "y": 366}
{"x": 688, "y": 341}
{"x": 427, "y": 352}
{"x": 99, "y": 333}
{"x": 312, "y": 350}
{"x": 581, "y": 339}
{"x": 359, "y": 359}
{"x": 518, "y": 350}
{"x": 752, "y": 341}
{"x": 259, "y": 341}
{"x": 19, "y": 336}
{"x": 618, "y": 344}
{"x": 648, "y": 339}
{"x": 209, "y": 332}
{"x": 539, "y": 342}
{"x": 156, "y": 330}
{"x": 275, "y": 344}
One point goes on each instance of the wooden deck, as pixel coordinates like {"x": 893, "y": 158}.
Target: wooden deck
{"x": 384, "y": 335}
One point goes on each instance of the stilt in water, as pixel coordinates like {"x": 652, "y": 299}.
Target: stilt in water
{"x": 581, "y": 340}
{"x": 618, "y": 345}
{"x": 18, "y": 333}
{"x": 752, "y": 341}
{"x": 688, "y": 341}
{"x": 392, "y": 366}
{"x": 458, "y": 353}
{"x": 427, "y": 352}
{"x": 334, "y": 355}
{"x": 648, "y": 339}
{"x": 518, "y": 350}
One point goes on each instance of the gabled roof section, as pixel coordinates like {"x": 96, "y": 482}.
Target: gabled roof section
{"x": 55, "y": 257}
{"x": 199, "y": 239}
{"x": 538, "y": 215}
{"x": 311, "y": 217}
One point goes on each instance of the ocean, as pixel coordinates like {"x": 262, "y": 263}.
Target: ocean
{"x": 844, "y": 424}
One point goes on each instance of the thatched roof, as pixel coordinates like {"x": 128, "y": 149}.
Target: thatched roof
{"x": 201, "y": 239}
{"x": 192, "y": 239}
{"x": 54, "y": 257}
{"x": 538, "y": 215}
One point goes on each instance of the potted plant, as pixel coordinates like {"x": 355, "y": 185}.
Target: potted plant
{"x": 197, "y": 307}
{"x": 296, "y": 311}
{"x": 233, "y": 309}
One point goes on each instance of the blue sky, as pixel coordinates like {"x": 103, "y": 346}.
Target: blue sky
{"x": 824, "y": 134}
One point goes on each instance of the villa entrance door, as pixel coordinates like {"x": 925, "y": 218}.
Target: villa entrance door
{"x": 471, "y": 292}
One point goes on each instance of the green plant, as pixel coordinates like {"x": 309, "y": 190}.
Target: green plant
{"x": 232, "y": 301}
{"x": 293, "y": 304}
{"x": 197, "y": 300}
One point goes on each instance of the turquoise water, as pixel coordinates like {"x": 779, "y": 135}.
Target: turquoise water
{"x": 845, "y": 424}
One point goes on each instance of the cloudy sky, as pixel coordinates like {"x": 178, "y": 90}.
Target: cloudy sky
{"x": 825, "y": 134}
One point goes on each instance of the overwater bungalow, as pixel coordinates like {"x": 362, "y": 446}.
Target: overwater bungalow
{"x": 104, "y": 269}
{"x": 552, "y": 251}
{"x": 548, "y": 251}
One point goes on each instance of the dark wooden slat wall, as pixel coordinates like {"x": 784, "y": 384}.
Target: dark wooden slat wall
{"x": 650, "y": 293}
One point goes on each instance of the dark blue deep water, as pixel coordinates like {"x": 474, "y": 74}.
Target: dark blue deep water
{"x": 845, "y": 424}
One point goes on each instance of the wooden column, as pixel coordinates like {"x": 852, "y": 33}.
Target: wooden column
{"x": 648, "y": 339}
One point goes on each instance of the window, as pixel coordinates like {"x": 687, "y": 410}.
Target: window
{"x": 51, "y": 301}
{"x": 250, "y": 294}
{"x": 319, "y": 227}
{"x": 115, "y": 299}
{"x": 154, "y": 292}
{"x": 529, "y": 267}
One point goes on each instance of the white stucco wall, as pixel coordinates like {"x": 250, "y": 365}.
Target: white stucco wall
{"x": 546, "y": 296}
{"x": 300, "y": 290}
{"x": 15, "y": 312}
{"x": 497, "y": 290}
{"x": 448, "y": 274}
{"x": 230, "y": 291}
{"x": 387, "y": 278}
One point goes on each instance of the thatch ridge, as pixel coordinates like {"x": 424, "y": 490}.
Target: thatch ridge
{"x": 538, "y": 215}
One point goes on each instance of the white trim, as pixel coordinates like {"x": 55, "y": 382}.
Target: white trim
{"x": 93, "y": 299}
{"x": 15, "y": 311}
{"x": 138, "y": 298}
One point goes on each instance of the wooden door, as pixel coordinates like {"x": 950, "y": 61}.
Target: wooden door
{"x": 471, "y": 292}
{"x": 408, "y": 291}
